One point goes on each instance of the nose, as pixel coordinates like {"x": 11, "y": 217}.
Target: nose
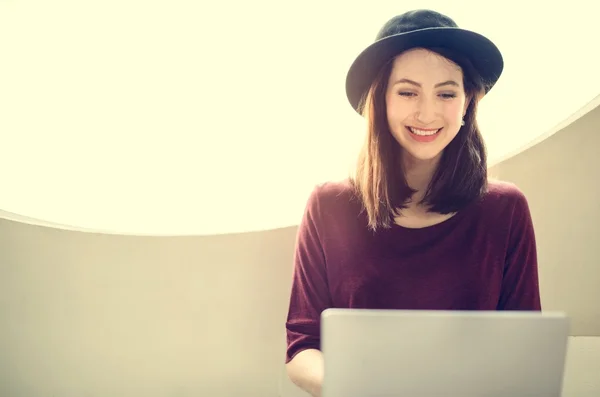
{"x": 425, "y": 110}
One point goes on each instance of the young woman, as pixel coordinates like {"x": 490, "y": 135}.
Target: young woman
{"x": 419, "y": 226}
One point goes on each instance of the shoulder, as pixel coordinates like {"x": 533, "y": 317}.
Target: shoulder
{"x": 505, "y": 201}
{"x": 504, "y": 190}
{"x": 333, "y": 207}
{"x": 501, "y": 193}
{"x": 330, "y": 196}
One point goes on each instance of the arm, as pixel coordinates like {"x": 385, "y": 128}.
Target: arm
{"x": 309, "y": 297}
{"x": 306, "y": 371}
{"x": 520, "y": 286}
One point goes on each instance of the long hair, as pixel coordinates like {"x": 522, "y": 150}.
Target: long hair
{"x": 460, "y": 176}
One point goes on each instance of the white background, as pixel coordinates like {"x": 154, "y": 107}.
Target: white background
{"x": 187, "y": 117}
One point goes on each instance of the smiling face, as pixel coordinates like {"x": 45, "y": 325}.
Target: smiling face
{"x": 425, "y": 103}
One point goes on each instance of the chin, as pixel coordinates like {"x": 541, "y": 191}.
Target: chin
{"x": 422, "y": 152}
{"x": 424, "y": 156}
{"x": 423, "y": 148}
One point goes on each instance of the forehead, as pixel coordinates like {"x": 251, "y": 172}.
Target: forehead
{"x": 425, "y": 66}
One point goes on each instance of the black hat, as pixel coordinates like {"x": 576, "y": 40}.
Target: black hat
{"x": 421, "y": 28}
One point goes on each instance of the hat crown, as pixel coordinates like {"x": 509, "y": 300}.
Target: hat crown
{"x": 415, "y": 20}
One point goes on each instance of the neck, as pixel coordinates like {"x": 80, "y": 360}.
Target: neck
{"x": 418, "y": 174}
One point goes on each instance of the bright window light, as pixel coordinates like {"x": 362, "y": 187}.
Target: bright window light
{"x": 191, "y": 117}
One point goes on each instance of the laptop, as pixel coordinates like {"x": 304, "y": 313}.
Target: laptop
{"x": 412, "y": 353}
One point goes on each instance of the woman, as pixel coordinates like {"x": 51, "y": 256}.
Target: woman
{"x": 419, "y": 226}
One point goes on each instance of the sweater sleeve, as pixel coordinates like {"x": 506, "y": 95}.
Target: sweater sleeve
{"x": 520, "y": 285}
{"x": 310, "y": 292}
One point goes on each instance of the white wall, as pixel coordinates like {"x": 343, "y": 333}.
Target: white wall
{"x": 561, "y": 178}
{"x": 96, "y": 315}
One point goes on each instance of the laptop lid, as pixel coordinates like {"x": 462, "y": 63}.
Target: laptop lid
{"x": 392, "y": 353}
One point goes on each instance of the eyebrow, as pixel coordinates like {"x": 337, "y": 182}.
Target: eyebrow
{"x": 449, "y": 82}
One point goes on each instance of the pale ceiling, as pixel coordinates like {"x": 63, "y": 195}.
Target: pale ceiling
{"x": 140, "y": 117}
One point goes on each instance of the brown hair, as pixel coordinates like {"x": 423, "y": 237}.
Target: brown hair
{"x": 461, "y": 174}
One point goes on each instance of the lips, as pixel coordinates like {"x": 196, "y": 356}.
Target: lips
{"x": 424, "y": 135}
{"x": 423, "y": 132}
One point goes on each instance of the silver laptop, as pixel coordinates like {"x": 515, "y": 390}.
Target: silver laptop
{"x": 397, "y": 353}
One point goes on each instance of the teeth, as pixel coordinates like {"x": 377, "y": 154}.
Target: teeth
{"x": 422, "y": 132}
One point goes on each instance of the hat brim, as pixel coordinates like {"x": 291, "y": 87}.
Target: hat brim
{"x": 483, "y": 54}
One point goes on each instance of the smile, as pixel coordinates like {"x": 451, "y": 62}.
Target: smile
{"x": 423, "y": 136}
{"x": 421, "y": 132}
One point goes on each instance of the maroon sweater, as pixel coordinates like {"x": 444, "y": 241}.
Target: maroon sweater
{"x": 483, "y": 258}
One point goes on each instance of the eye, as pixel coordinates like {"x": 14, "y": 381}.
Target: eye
{"x": 406, "y": 94}
{"x": 448, "y": 95}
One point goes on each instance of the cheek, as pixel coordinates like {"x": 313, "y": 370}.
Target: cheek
{"x": 396, "y": 111}
{"x": 454, "y": 112}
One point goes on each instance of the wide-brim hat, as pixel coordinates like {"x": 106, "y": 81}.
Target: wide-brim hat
{"x": 427, "y": 29}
